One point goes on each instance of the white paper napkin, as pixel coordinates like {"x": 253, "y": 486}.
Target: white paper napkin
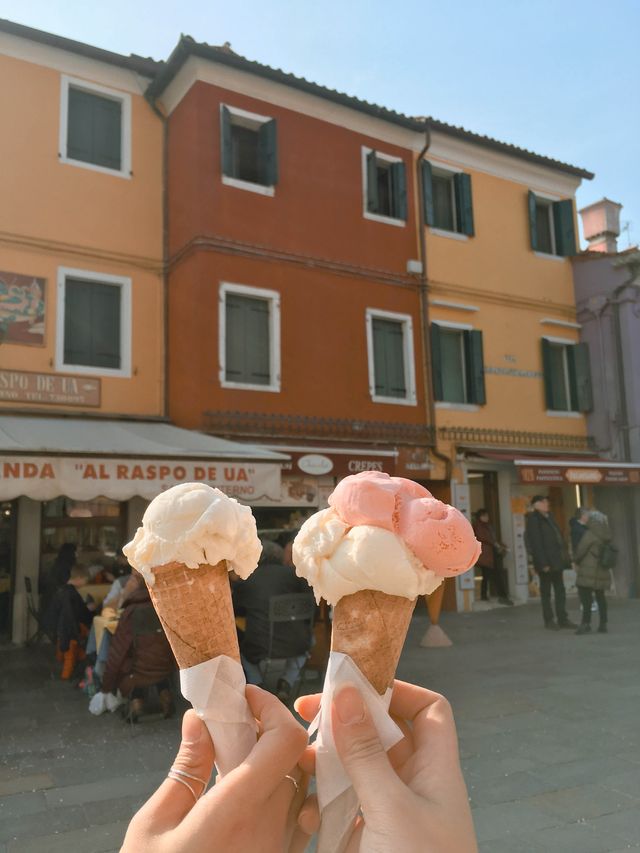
{"x": 215, "y": 688}
{"x": 336, "y": 797}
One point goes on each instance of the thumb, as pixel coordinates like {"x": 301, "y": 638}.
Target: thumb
{"x": 360, "y": 750}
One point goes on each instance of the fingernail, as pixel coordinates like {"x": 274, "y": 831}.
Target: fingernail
{"x": 191, "y": 728}
{"x": 349, "y": 705}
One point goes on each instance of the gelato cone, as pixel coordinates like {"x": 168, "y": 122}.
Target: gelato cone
{"x": 195, "y": 632}
{"x": 371, "y": 627}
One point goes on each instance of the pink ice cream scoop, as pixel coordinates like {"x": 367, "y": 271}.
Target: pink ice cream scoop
{"x": 438, "y": 534}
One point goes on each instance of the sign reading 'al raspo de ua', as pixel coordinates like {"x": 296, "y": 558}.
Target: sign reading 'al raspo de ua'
{"x": 592, "y": 475}
{"x": 45, "y": 477}
{"x": 23, "y": 386}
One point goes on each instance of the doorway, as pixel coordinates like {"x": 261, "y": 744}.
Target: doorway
{"x": 484, "y": 494}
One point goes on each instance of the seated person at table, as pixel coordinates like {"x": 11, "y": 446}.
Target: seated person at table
{"x": 291, "y": 640}
{"x": 121, "y": 570}
{"x": 67, "y": 620}
{"x": 139, "y": 654}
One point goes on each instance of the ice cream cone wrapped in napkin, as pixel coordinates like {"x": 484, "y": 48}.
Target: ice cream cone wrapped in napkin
{"x": 191, "y": 537}
{"x": 382, "y": 542}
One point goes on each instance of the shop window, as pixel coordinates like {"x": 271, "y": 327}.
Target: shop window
{"x": 385, "y": 187}
{"x": 249, "y": 338}
{"x": 567, "y": 376}
{"x": 93, "y": 334}
{"x": 391, "y": 359}
{"x": 551, "y": 226}
{"x": 447, "y": 199}
{"x": 457, "y": 364}
{"x": 95, "y": 127}
{"x": 248, "y": 149}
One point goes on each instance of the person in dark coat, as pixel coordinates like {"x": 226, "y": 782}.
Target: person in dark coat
{"x": 67, "y": 620}
{"x": 140, "y": 654}
{"x": 578, "y": 527}
{"x": 549, "y": 554}
{"x": 592, "y": 578}
{"x": 291, "y": 640}
{"x": 489, "y": 559}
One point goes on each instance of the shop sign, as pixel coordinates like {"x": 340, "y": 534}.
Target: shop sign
{"x": 22, "y": 386}
{"x": 575, "y": 475}
{"x": 414, "y": 462}
{"x": 299, "y": 491}
{"x": 44, "y": 478}
{"x": 315, "y": 463}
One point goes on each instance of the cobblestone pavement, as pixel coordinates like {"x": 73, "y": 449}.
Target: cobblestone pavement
{"x": 548, "y": 721}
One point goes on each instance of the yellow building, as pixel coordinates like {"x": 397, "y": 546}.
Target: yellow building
{"x": 510, "y": 380}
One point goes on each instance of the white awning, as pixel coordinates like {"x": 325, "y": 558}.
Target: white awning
{"x": 83, "y": 458}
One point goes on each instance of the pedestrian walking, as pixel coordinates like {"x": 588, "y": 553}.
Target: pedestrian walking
{"x": 489, "y": 560}
{"x": 550, "y": 557}
{"x": 593, "y": 576}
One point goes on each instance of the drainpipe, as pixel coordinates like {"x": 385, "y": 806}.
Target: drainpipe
{"x": 425, "y": 331}
{"x": 165, "y": 247}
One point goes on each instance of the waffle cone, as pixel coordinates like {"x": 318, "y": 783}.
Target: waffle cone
{"x": 195, "y": 609}
{"x": 371, "y": 627}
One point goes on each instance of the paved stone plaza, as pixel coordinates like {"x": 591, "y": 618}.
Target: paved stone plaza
{"x": 549, "y": 728}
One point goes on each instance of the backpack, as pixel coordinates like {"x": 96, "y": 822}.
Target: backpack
{"x": 608, "y": 556}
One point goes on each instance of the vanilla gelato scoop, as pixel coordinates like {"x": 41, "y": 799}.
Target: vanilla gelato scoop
{"x": 195, "y": 525}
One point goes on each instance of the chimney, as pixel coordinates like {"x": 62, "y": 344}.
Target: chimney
{"x": 601, "y": 225}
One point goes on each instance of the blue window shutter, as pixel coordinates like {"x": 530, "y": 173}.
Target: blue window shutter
{"x": 268, "y": 153}
{"x": 563, "y": 226}
{"x": 580, "y": 370}
{"x": 388, "y": 358}
{"x": 532, "y": 221}
{"x": 464, "y": 204}
{"x": 436, "y": 362}
{"x": 427, "y": 191}
{"x": 549, "y": 377}
{"x": 226, "y": 153}
{"x": 475, "y": 367}
{"x": 372, "y": 182}
{"x": 399, "y": 186}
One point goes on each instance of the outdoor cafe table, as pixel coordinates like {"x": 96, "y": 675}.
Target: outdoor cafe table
{"x": 97, "y": 591}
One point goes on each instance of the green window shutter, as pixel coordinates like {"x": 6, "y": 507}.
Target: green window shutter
{"x": 268, "y": 153}
{"x": 436, "y": 362}
{"x": 427, "y": 191}
{"x": 580, "y": 371}
{"x": 247, "y": 340}
{"x": 464, "y": 203}
{"x": 532, "y": 221}
{"x": 388, "y": 358}
{"x": 94, "y": 129}
{"x": 372, "y": 182}
{"x": 107, "y": 117}
{"x": 226, "y": 150}
{"x": 475, "y": 367}
{"x": 92, "y": 324}
{"x": 399, "y": 186}
{"x": 79, "y": 126}
{"x": 563, "y": 226}
{"x": 549, "y": 377}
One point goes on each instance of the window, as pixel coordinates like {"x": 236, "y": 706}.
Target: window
{"x": 94, "y": 323}
{"x": 248, "y": 150}
{"x": 249, "y": 336}
{"x": 457, "y": 364}
{"x": 95, "y": 127}
{"x": 551, "y": 226}
{"x": 447, "y": 199}
{"x": 567, "y": 376}
{"x": 390, "y": 354}
{"x": 385, "y": 187}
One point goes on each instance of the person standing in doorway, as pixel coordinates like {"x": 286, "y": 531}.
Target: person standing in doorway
{"x": 550, "y": 557}
{"x": 489, "y": 559}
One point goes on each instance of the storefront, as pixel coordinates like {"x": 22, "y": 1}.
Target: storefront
{"x": 89, "y": 481}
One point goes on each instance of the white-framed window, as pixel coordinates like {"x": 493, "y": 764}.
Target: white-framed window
{"x": 551, "y": 225}
{"x": 95, "y": 127}
{"x": 93, "y": 326}
{"x": 392, "y": 376}
{"x": 248, "y": 150}
{"x": 384, "y": 187}
{"x": 249, "y": 337}
{"x": 457, "y": 362}
{"x": 448, "y": 204}
{"x": 567, "y": 376}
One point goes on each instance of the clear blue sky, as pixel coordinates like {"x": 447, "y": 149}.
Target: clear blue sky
{"x": 559, "y": 77}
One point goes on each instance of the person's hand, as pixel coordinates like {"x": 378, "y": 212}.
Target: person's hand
{"x": 252, "y": 808}
{"x": 414, "y": 799}
{"x": 546, "y": 569}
